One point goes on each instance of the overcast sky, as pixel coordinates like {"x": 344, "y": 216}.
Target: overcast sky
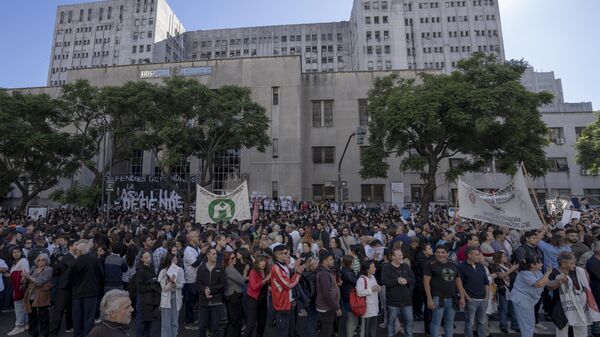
{"x": 557, "y": 35}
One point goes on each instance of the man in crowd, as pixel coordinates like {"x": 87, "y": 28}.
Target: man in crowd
{"x": 475, "y": 282}
{"x": 63, "y": 295}
{"x": 328, "y": 294}
{"x": 399, "y": 282}
{"x": 115, "y": 313}
{"x": 283, "y": 280}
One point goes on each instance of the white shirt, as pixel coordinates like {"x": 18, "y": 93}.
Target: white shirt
{"x": 372, "y": 298}
{"x": 4, "y": 266}
{"x": 190, "y": 255}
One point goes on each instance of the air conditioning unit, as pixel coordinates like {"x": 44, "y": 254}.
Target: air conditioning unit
{"x": 560, "y": 141}
{"x": 487, "y": 170}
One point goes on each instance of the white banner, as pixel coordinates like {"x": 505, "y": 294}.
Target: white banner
{"x": 213, "y": 208}
{"x": 398, "y": 194}
{"x": 557, "y": 205}
{"x": 510, "y": 206}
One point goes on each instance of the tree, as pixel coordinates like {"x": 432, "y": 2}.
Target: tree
{"x": 588, "y": 147}
{"x": 481, "y": 111}
{"x": 191, "y": 119}
{"x": 34, "y": 153}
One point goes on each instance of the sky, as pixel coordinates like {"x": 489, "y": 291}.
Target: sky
{"x": 552, "y": 35}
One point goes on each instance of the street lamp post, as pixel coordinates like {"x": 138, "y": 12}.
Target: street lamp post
{"x": 360, "y": 133}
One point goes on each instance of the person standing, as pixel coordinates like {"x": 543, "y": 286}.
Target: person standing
{"x": 115, "y": 315}
{"x": 475, "y": 282}
{"x": 85, "y": 279}
{"x": 283, "y": 280}
{"x": 210, "y": 281}
{"x": 527, "y": 291}
{"x": 256, "y": 299}
{"x": 145, "y": 287}
{"x": 37, "y": 296}
{"x": 505, "y": 275}
{"x": 64, "y": 299}
{"x": 593, "y": 268}
{"x": 192, "y": 257}
{"x": 20, "y": 265}
{"x": 328, "y": 294}
{"x": 349, "y": 278}
{"x": 367, "y": 286}
{"x": 171, "y": 279}
{"x": 236, "y": 281}
{"x": 399, "y": 282}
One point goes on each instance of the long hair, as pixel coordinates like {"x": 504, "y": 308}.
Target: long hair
{"x": 132, "y": 251}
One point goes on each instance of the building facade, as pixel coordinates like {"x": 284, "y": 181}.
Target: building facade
{"x": 380, "y": 35}
{"x": 310, "y": 122}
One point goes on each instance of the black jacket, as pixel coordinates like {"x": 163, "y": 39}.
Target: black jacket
{"x": 397, "y": 295}
{"x": 524, "y": 252}
{"x": 349, "y": 279}
{"x": 147, "y": 286}
{"x": 60, "y": 268}
{"x": 112, "y": 329}
{"x": 86, "y": 276}
{"x": 215, "y": 280}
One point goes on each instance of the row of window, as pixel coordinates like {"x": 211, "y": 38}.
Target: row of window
{"x": 310, "y": 60}
{"x": 369, "y": 5}
{"x": 379, "y": 65}
{"x": 449, "y": 4}
{"x": 135, "y": 49}
{"x": 265, "y": 39}
{"x": 369, "y": 35}
{"x": 384, "y": 19}
{"x": 378, "y": 49}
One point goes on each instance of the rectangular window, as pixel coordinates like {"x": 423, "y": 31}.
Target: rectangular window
{"x": 136, "y": 163}
{"x": 372, "y": 192}
{"x": 275, "y": 147}
{"x": 89, "y": 16}
{"x": 592, "y": 193}
{"x": 556, "y": 136}
{"x": 323, "y": 154}
{"x": 323, "y": 192}
{"x": 133, "y": 49}
{"x": 455, "y": 162}
{"x": 322, "y": 112}
{"x": 559, "y": 164}
{"x": 363, "y": 112}
{"x": 275, "y": 95}
{"x": 578, "y": 131}
{"x": 275, "y": 189}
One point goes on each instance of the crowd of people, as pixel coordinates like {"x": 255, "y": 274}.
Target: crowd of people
{"x": 304, "y": 270}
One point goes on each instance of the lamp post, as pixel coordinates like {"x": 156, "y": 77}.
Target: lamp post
{"x": 360, "y": 133}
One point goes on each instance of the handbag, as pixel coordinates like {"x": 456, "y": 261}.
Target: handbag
{"x": 358, "y": 305}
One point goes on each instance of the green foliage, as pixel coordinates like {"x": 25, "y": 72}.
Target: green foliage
{"x": 34, "y": 153}
{"x": 588, "y": 147}
{"x": 481, "y": 111}
{"x": 78, "y": 196}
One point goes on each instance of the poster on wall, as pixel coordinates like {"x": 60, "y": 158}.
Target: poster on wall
{"x": 37, "y": 212}
{"x": 398, "y": 195}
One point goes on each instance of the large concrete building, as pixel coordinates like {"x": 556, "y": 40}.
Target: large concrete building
{"x": 321, "y": 74}
{"x": 310, "y": 121}
{"x": 380, "y": 35}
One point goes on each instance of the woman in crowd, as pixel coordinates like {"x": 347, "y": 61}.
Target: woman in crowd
{"x": 130, "y": 255}
{"x": 505, "y": 276}
{"x": 256, "y": 299}
{"x": 234, "y": 294}
{"x": 527, "y": 291}
{"x": 145, "y": 286}
{"x": 171, "y": 280}
{"x": 349, "y": 278}
{"x": 20, "y": 265}
{"x": 306, "y": 325}
{"x": 37, "y": 296}
{"x": 366, "y": 286}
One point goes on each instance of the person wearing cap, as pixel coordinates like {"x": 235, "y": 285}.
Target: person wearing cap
{"x": 283, "y": 279}
{"x": 328, "y": 294}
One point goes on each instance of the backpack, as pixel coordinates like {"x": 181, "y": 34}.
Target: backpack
{"x": 358, "y": 305}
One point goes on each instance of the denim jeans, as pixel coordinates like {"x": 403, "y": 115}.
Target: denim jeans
{"x": 190, "y": 296}
{"x": 142, "y": 328}
{"x": 209, "y": 317}
{"x": 84, "y": 309}
{"x": 475, "y": 313}
{"x": 169, "y": 326}
{"x": 505, "y": 309}
{"x": 405, "y": 315}
{"x": 351, "y": 320}
{"x": 20, "y": 314}
{"x": 443, "y": 309}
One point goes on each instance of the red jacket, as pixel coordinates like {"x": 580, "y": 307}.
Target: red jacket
{"x": 281, "y": 287}
{"x": 254, "y": 284}
{"x": 15, "y": 281}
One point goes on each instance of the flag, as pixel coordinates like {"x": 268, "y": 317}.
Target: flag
{"x": 255, "y": 211}
{"x": 213, "y": 208}
{"x": 510, "y": 206}
{"x": 557, "y": 204}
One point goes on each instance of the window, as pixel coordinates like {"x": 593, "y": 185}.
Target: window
{"x": 384, "y": 19}
{"x": 323, "y": 154}
{"x": 372, "y": 193}
{"x": 89, "y": 16}
{"x": 323, "y": 192}
{"x": 556, "y": 136}
{"x": 275, "y": 189}
{"x": 578, "y": 131}
{"x": 558, "y": 164}
{"x": 137, "y": 161}
{"x": 275, "y": 147}
{"x": 367, "y": 20}
{"x": 322, "y": 112}
{"x": 593, "y": 193}
{"x": 275, "y": 95}
{"x": 363, "y": 112}
{"x": 455, "y": 162}
{"x": 134, "y": 49}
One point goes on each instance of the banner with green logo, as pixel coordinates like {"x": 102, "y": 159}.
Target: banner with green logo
{"x": 213, "y": 208}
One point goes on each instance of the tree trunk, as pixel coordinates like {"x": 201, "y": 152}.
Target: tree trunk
{"x": 428, "y": 191}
